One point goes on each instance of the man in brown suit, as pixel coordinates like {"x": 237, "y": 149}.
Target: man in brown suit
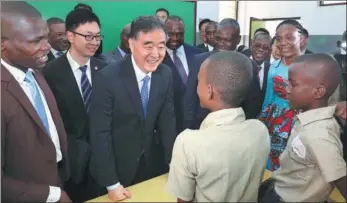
{"x": 33, "y": 139}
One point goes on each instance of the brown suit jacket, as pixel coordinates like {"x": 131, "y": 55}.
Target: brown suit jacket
{"x": 28, "y": 156}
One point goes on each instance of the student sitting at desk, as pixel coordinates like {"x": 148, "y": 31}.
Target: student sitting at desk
{"x": 223, "y": 161}
{"x": 312, "y": 163}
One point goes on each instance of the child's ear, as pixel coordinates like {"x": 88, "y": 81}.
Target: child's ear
{"x": 319, "y": 92}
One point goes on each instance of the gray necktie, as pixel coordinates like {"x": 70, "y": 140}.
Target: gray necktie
{"x": 180, "y": 67}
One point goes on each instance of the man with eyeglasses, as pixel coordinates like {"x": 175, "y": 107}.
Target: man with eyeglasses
{"x": 71, "y": 78}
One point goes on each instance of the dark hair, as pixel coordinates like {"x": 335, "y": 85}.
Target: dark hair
{"x": 203, "y": 21}
{"x": 79, "y": 17}
{"x": 305, "y": 32}
{"x": 230, "y": 73}
{"x": 145, "y": 24}
{"x": 261, "y": 30}
{"x": 83, "y": 6}
{"x": 262, "y": 34}
{"x": 162, "y": 9}
{"x": 230, "y": 22}
{"x": 273, "y": 40}
{"x": 54, "y": 20}
{"x": 174, "y": 18}
{"x": 293, "y": 23}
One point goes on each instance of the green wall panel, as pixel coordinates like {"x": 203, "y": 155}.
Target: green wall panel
{"x": 115, "y": 14}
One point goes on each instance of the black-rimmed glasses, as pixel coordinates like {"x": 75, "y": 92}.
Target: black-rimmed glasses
{"x": 90, "y": 37}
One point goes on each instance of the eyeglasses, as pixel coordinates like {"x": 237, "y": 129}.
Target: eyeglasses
{"x": 90, "y": 37}
{"x": 260, "y": 46}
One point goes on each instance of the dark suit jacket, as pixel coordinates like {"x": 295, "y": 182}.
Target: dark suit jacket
{"x": 120, "y": 135}
{"x": 179, "y": 87}
{"x": 202, "y": 48}
{"x": 61, "y": 80}
{"x": 111, "y": 56}
{"x": 195, "y": 114}
{"x": 28, "y": 155}
{"x": 266, "y": 73}
{"x": 247, "y": 52}
{"x": 50, "y": 56}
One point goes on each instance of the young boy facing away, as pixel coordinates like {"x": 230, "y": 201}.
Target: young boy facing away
{"x": 312, "y": 163}
{"x": 223, "y": 161}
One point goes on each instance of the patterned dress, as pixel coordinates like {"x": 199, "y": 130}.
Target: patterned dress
{"x": 276, "y": 114}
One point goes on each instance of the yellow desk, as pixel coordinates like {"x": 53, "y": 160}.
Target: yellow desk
{"x": 144, "y": 192}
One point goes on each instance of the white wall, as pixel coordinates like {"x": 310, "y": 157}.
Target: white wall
{"x": 326, "y": 20}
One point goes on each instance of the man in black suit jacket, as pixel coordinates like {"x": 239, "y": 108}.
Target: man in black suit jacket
{"x": 202, "y": 26}
{"x": 132, "y": 114}
{"x": 179, "y": 58}
{"x": 122, "y": 50}
{"x": 71, "y": 77}
{"x": 227, "y": 38}
{"x": 57, "y": 38}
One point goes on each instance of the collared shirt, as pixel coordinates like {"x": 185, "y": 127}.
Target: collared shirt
{"x": 54, "y": 192}
{"x": 122, "y": 53}
{"x": 181, "y": 55}
{"x": 261, "y": 74}
{"x": 223, "y": 161}
{"x": 210, "y": 48}
{"x": 75, "y": 67}
{"x": 55, "y": 52}
{"x": 312, "y": 159}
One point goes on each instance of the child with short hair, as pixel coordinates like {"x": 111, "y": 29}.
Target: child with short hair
{"x": 312, "y": 163}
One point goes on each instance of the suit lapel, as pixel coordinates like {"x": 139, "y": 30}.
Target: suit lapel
{"x": 131, "y": 85}
{"x": 15, "y": 89}
{"x": 155, "y": 84}
{"x": 266, "y": 71}
{"x": 189, "y": 57}
{"x": 69, "y": 86}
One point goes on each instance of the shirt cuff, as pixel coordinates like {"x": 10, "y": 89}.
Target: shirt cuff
{"x": 112, "y": 187}
{"x": 54, "y": 194}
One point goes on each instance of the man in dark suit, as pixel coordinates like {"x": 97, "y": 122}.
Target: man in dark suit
{"x": 71, "y": 78}
{"x": 178, "y": 57}
{"x": 248, "y": 52}
{"x": 132, "y": 114}
{"x": 57, "y": 38}
{"x": 202, "y": 27}
{"x": 227, "y": 38}
{"x": 33, "y": 140}
{"x": 260, "y": 54}
{"x": 122, "y": 50}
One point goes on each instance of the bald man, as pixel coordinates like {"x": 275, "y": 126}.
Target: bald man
{"x": 122, "y": 50}
{"x": 312, "y": 164}
{"x": 208, "y": 165}
{"x": 33, "y": 140}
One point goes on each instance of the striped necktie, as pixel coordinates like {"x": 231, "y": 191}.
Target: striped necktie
{"x": 180, "y": 68}
{"x": 86, "y": 88}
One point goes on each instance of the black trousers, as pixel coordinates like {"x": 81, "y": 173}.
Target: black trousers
{"x": 87, "y": 190}
{"x": 267, "y": 192}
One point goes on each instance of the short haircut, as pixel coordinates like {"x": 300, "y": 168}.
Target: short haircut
{"x": 293, "y": 23}
{"x": 212, "y": 23}
{"x": 262, "y": 34}
{"x": 54, "y": 20}
{"x": 79, "y": 17}
{"x": 323, "y": 68}
{"x": 203, "y": 21}
{"x": 83, "y": 6}
{"x": 230, "y": 73}
{"x": 163, "y": 9}
{"x": 262, "y": 30}
{"x": 230, "y": 22}
{"x": 305, "y": 33}
{"x": 145, "y": 24}
{"x": 174, "y": 18}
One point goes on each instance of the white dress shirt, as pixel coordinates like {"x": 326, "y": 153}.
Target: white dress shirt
{"x": 54, "y": 192}
{"x": 181, "y": 55}
{"x": 77, "y": 72}
{"x": 140, "y": 75}
{"x": 261, "y": 74}
{"x": 55, "y": 52}
{"x": 210, "y": 48}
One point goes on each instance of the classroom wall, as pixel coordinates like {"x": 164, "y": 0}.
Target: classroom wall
{"x": 324, "y": 23}
{"x": 115, "y": 14}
